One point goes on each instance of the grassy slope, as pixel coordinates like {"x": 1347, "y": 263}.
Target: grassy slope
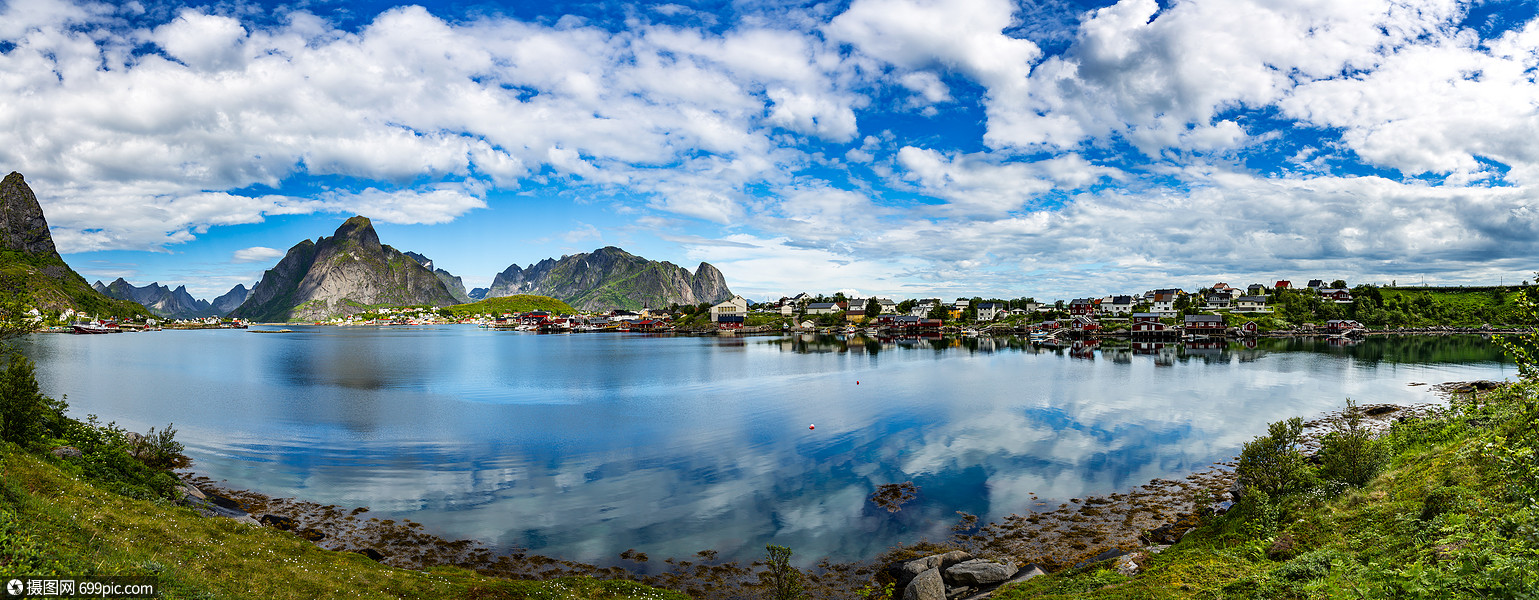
{"x": 512, "y": 304}
{"x": 51, "y": 285}
{"x": 54, "y": 524}
{"x": 1454, "y": 517}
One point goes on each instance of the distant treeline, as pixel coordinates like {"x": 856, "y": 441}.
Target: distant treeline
{"x": 1406, "y": 307}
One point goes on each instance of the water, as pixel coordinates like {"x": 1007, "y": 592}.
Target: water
{"x": 583, "y": 446}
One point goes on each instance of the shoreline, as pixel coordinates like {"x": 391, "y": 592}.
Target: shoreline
{"x": 1075, "y": 532}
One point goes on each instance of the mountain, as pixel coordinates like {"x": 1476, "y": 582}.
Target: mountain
{"x": 31, "y": 265}
{"x": 347, "y": 273}
{"x": 160, "y": 299}
{"x": 231, "y": 299}
{"x": 611, "y": 278}
{"x": 479, "y": 293}
{"x": 452, "y": 282}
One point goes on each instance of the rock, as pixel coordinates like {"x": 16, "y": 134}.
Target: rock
{"x": 906, "y": 571}
{"x": 926, "y": 586}
{"x": 1485, "y": 384}
{"x": 1127, "y": 564}
{"x": 66, "y": 452}
{"x": 1153, "y": 550}
{"x": 278, "y": 522}
{"x": 1382, "y": 409}
{"x": 1106, "y": 555}
{"x": 311, "y": 534}
{"x": 953, "y": 593}
{"x": 953, "y": 557}
{"x": 373, "y": 554}
{"x": 133, "y": 439}
{"x": 980, "y": 572}
{"x": 247, "y": 520}
{"x": 1236, "y": 491}
{"x": 22, "y": 225}
{"x": 191, "y": 491}
{"x": 1281, "y": 548}
{"x": 1026, "y": 572}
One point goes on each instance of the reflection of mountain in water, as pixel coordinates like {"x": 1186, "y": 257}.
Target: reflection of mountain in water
{"x": 582, "y": 446}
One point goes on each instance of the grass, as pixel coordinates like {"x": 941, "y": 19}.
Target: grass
{"x": 1455, "y": 516}
{"x": 52, "y": 523}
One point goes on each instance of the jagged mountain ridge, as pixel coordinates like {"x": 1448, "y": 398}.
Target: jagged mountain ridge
{"x": 231, "y": 299}
{"x": 30, "y": 263}
{"x": 161, "y": 300}
{"x": 611, "y": 278}
{"x": 452, "y": 282}
{"x": 340, "y": 275}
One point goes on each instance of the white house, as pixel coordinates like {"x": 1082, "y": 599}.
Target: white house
{"x": 988, "y": 311}
{"x": 822, "y": 308}
{"x": 1250, "y": 304}
{"x": 731, "y": 310}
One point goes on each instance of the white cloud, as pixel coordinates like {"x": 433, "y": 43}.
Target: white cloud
{"x": 257, "y": 254}
{"x": 409, "y": 97}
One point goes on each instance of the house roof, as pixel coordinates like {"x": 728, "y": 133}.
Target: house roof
{"x": 993, "y": 305}
{"x": 1261, "y": 299}
{"x": 821, "y": 305}
{"x": 1148, "y": 315}
{"x": 1204, "y": 319}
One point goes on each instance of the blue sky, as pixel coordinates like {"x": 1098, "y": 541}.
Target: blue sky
{"x": 906, "y": 148}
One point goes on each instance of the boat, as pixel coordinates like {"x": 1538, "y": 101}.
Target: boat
{"x": 94, "y": 327}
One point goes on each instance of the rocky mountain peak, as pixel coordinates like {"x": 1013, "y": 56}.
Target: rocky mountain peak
{"x": 22, "y": 226}
{"x": 361, "y": 230}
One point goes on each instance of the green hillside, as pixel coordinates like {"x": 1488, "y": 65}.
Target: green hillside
{"x": 49, "y": 285}
{"x": 511, "y": 304}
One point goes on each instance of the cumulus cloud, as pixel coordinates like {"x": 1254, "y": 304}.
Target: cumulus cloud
{"x": 221, "y": 105}
{"x": 257, "y": 254}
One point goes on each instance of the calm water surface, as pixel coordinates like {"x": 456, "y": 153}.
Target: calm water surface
{"x": 582, "y": 446}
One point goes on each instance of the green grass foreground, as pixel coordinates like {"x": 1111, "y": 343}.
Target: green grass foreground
{"x": 1454, "y": 515}
{"x": 55, "y": 524}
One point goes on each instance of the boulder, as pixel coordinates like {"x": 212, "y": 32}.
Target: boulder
{"x": 953, "y": 557}
{"x": 926, "y": 586}
{"x": 1382, "y": 409}
{"x": 1026, "y": 572}
{"x": 191, "y": 491}
{"x": 906, "y": 571}
{"x": 277, "y": 522}
{"x": 373, "y": 554}
{"x": 67, "y": 452}
{"x": 980, "y": 572}
{"x": 1127, "y": 564}
{"x": 954, "y": 593}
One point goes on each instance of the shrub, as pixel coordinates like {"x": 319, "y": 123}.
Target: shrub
{"x": 26, "y": 415}
{"x": 1350, "y": 454}
{"x": 785, "y": 581}
{"x": 160, "y": 450}
{"x": 1271, "y": 464}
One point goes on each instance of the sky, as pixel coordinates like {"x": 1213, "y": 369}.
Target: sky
{"x": 903, "y": 148}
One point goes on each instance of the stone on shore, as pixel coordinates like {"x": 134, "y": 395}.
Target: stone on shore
{"x": 980, "y": 572}
{"x": 926, "y": 586}
{"x": 67, "y": 452}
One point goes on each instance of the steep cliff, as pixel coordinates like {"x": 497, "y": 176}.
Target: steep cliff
{"x": 347, "y": 273}
{"x": 231, "y": 299}
{"x": 611, "y": 278}
{"x": 31, "y": 266}
{"x": 452, "y": 282}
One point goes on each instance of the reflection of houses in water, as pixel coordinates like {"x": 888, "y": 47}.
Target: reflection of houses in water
{"x": 1164, "y": 354}
{"x": 1341, "y": 342}
{"x": 1118, "y": 355}
{"x": 1207, "y": 349}
{"x": 1084, "y": 349}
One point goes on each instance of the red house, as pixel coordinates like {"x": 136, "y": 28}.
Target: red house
{"x": 1204, "y": 324}
{"x": 1283, "y": 285}
{"x": 1081, "y": 306}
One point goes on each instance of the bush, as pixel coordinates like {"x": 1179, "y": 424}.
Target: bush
{"x": 785, "y": 581}
{"x": 160, "y": 450}
{"x": 1271, "y": 464}
{"x": 26, "y": 416}
{"x": 1349, "y": 454}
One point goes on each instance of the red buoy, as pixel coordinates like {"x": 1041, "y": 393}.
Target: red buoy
{"x": 857, "y": 383}
{"x": 812, "y": 427}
